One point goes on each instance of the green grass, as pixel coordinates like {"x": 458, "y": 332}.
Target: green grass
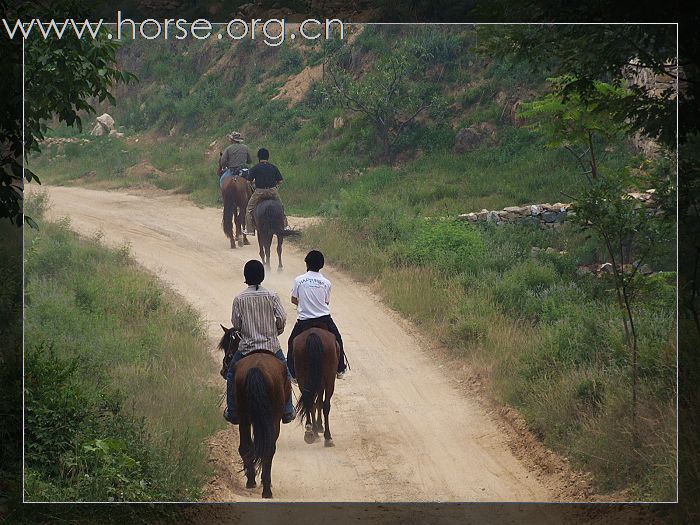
{"x": 117, "y": 377}
{"x": 549, "y": 343}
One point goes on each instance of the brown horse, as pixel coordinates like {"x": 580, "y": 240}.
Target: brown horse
{"x": 269, "y": 221}
{"x": 316, "y": 355}
{"x": 235, "y": 193}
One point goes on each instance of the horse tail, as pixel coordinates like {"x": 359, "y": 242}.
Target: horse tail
{"x": 273, "y": 215}
{"x": 260, "y": 413}
{"x": 314, "y": 360}
{"x": 229, "y": 210}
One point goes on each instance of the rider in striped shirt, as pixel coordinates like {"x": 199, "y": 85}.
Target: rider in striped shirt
{"x": 258, "y": 315}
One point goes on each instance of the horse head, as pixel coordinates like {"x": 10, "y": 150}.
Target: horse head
{"x": 229, "y": 344}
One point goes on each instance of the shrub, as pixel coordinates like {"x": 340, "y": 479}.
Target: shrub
{"x": 450, "y": 246}
{"x": 521, "y": 284}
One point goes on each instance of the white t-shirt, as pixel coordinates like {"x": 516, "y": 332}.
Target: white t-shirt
{"x": 313, "y": 291}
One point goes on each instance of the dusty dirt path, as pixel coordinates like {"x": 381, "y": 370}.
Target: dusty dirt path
{"x": 403, "y": 432}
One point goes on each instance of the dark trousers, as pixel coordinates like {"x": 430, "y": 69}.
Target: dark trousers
{"x": 302, "y": 325}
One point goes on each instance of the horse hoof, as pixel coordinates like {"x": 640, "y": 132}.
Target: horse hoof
{"x": 246, "y": 242}
{"x": 309, "y": 437}
{"x": 280, "y": 269}
{"x": 251, "y": 485}
{"x": 267, "y": 494}
{"x": 240, "y": 244}
{"x": 329, "y": 442}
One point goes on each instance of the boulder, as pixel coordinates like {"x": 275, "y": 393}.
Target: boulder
{"x": 98, "y": 130}
{"x": 106, "y": 120}
{"x": 338, "y": 122}
{"x": 549, "y": 216}
{"x": 115, "y": 133}
{"x": 468, "y": 139}
{"x": 606, "y": 267}
{"x": 103, "y": 125}
{"x": 493, "y": 216}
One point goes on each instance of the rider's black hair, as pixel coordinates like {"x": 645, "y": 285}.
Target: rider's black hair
{"x": 314, "y": 260}
{"x": 254, "y": 273}
{"x": 263, "y": 154}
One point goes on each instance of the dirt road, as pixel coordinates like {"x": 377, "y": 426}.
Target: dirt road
{"x": 403, "y": 432}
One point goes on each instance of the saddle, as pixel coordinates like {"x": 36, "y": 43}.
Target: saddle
{"x": 316, "y": 324}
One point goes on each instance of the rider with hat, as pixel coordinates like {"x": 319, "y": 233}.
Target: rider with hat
{"x": 235, "y": 157}
{"x": 258, "y": 315}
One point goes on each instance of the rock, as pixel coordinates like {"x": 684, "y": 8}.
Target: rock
{"x": 115, "y": 133}
{"x": 550, "y": 250}
{"x": 482, "y": 215}
{"x": 644, "y": 269}
{"x": 98, "y": 130}
{"x": 535, "y": 209}
{"x": 106, "y": 120}
{"x": 512, "y": 209}
{"x": 606, "y": 267}
{"x": 493, "y": 216}
{"x": 535, "y": 250}
{"x": 338, "y": 122}
{"x": 212, "y": 144}
{"x": 549, "y": 216}
{"x": 468, "y": 139}
{"x": 471, "y": 217}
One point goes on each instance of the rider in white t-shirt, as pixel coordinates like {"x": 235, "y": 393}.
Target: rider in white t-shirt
{"x": 312, "y": 295}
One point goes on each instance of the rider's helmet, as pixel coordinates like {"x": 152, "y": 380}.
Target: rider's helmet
{"x": 254, "y": 273}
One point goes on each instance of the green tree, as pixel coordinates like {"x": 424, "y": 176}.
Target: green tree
{"x": 391, "y": 95}
{"x": 628, "y": 230}
{"x": 580, "y": 56}
{"x": 62, "y": 77}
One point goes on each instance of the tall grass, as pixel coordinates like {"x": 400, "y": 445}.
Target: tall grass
{"x": 548, "y": 341}
{"x": 118, "y": 399}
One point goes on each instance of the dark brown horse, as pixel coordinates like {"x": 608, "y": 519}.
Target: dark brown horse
{"x": 235, "y": 193}
{"x": 316, "y": 355}
{"x": 269, "y": 221}
{"x": 261, "y": 388}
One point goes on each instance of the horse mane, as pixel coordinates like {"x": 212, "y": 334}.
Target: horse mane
{"x": 226, "y": 339}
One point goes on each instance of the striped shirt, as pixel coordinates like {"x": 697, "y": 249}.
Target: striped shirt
{"x": 260, "y": 317}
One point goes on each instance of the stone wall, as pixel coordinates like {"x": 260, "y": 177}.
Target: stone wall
{"x": 545, "y": 215}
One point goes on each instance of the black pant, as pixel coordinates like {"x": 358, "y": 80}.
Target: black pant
{"x": 302, "y": 325}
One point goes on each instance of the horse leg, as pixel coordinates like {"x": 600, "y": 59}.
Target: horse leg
{"x": 268, "y": 243}
{"x": 240, "y": 223}
{"x": 245, "y": 450}
{"x": 262, "y": 249}
{"x": 318, "y": 427}
{"x": 266, "y": 476}
{"x": 327, "y": 432}
{"x": 279, "y": 251}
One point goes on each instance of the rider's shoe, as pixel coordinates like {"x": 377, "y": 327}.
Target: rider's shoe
{"x": 231, "y": 419}
{"x": 340, "y": 375}
{"x": 288, "y": 418}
